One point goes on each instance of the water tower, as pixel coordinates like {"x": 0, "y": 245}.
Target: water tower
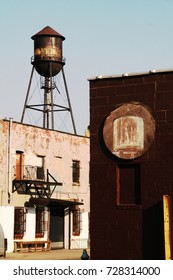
{"x": 48, "y": 61}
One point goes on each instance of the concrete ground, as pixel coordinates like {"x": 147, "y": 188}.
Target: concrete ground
{"x": 60, "y": 254}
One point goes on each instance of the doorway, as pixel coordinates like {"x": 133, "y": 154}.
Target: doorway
{"x": 19, "y": 165}
{"x": 57, "y": 227}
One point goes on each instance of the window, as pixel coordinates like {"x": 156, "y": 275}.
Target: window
{"x": 128, "y": 187}
{"x": 40, "y": 167}
{"x": 40, "y": 173}
{"x": 76, "y": 220}
{"x": 19, "y": 222}
{"x": 40, "y": 222}
{"x": 76, "y": 171}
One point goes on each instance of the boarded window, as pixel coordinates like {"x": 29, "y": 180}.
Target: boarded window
{"x": 76, "y": 220}
{"x": 128, "y": 187}
{"x": 40, "y": 222}
{"x": 19, "y": 222}
{"x": 76, "y": 171}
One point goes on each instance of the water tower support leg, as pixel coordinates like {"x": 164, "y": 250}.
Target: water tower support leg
{"x": 27, "y": 95}
{"x": 69, "y": 103}
{"x": 52, "y": 108}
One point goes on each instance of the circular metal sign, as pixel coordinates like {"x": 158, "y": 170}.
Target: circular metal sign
{"x": 129, "y": 131}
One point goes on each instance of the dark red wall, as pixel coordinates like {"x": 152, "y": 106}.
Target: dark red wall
{"x": 130, "y": 231}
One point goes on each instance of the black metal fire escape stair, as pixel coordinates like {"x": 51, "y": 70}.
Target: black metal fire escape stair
{"x": 36, "y": 188}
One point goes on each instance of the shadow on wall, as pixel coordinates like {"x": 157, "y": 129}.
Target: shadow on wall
{"x": 153, "y": 233}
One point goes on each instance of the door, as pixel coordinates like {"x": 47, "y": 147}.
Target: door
{"x": 19, "y": 156}
{"x": 57, "y": 227}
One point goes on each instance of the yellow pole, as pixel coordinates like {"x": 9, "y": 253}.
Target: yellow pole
{"x": 167, "y": 211}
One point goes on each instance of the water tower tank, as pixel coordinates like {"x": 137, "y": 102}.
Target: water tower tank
{"x": 48, "y": 59}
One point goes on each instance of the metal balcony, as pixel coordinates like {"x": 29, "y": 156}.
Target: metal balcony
{"x": 35, "y": 183}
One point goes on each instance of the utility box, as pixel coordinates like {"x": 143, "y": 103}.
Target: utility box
{"x": 2, "y": 243}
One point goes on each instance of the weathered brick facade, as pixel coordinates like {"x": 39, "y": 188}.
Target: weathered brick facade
{"x": 132, "y": 229}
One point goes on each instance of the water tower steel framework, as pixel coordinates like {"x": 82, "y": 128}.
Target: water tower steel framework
{"x": 48, "y": 62}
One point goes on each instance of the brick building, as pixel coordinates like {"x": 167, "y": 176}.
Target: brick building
{"x": 131, "y": 132}
{"x": 44, "y": 187}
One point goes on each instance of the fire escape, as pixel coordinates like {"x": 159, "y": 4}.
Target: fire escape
{"x": 33, "y": 182}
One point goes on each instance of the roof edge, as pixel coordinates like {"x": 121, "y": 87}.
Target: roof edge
{"x": 132, "y": 74}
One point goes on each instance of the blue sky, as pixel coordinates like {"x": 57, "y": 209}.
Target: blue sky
{"x": 103, "y": 37}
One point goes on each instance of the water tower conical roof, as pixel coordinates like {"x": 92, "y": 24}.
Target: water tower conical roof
{"x": 48, "y": 31}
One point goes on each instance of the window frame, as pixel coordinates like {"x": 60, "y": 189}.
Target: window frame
{"x": 135, "y": 186}
{"x": 39, "y": 221}
{"x": 76, "y": 221}
{"x": 40, "y": 168}
{"x": 19, "y": 222}
{"x": 76, "y": 172}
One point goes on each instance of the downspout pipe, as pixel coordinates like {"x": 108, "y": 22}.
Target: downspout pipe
{"x": 69, "y": 231}
{"x": 9, "y": 160}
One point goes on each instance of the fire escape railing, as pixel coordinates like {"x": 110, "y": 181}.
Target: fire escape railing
{"x": 34, "y": 182}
